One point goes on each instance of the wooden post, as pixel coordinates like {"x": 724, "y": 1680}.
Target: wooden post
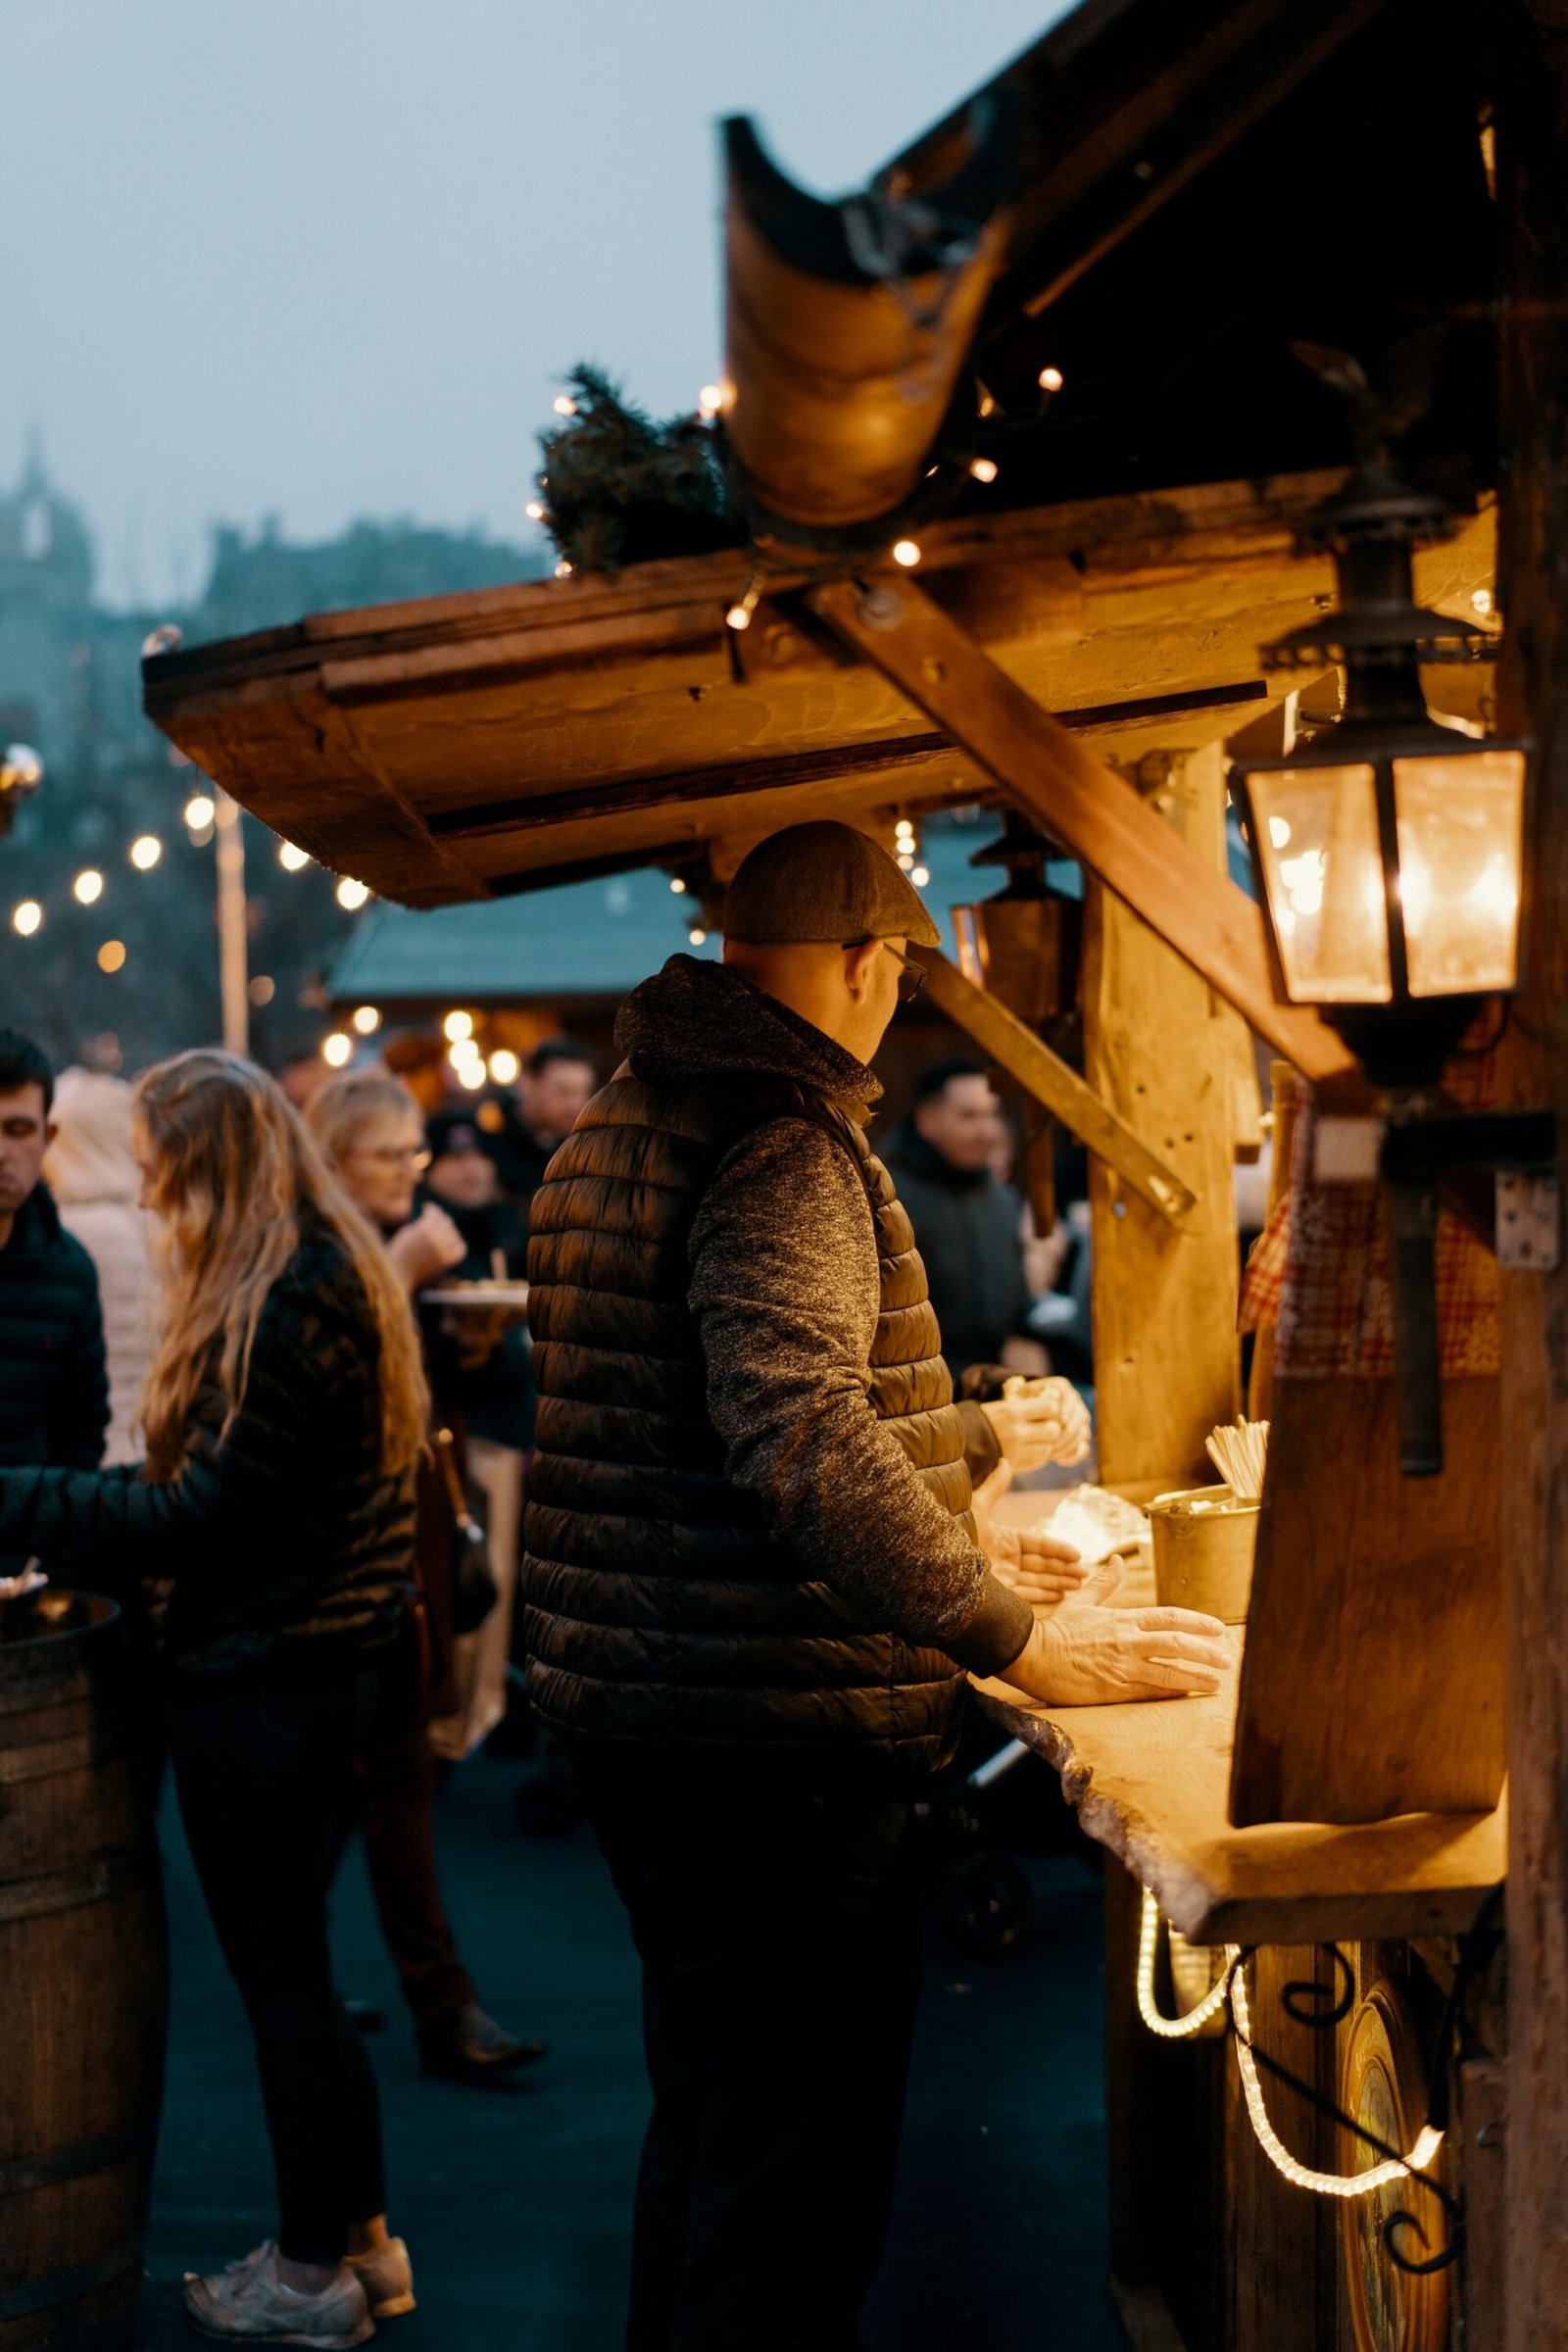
{"x": 1156, "y": 1049}
{"x": 1532, "y": 144}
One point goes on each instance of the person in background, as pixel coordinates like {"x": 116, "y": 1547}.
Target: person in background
{"x": 554, "y": 1081}
{"x": 283, "y": 1412}
{"x": 370, "y": 1129}
{"x": 967, "y": 1224}
{"x": 754, "y": 1586}
{"x": 91, "y": 1172}
{"x": 300, "y": 1071}
{"x": 54, "y": 1382}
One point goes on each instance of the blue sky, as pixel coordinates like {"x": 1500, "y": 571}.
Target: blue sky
{"x": 328, "y": 257}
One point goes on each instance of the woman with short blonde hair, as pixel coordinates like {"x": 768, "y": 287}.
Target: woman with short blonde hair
{"x": 284, "y": 1410}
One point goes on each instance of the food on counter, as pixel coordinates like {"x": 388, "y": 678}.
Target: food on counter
{"x": 1096, "y": 1523}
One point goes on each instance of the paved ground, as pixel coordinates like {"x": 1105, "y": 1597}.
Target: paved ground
{"x": 514, "y": 2203}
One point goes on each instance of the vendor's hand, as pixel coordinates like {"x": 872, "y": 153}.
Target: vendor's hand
{"x": 1085, "y": 1654}
{"x": 1039, "y": 1421}
{"x": 429, "y": 1247}
{"x": 1041, "y": 1569}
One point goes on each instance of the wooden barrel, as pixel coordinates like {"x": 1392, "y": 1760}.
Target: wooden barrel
{"x": 83, "y": 1979}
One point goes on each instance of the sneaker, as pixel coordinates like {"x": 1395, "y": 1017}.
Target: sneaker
{"x": 468, "y": 2046}
{"x": 249, "y": 2301}
{"x": 387, "y": 2278}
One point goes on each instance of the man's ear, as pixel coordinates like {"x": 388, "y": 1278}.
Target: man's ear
{"x": 859, "y": 962}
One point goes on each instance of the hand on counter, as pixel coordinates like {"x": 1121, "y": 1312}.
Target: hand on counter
{"x": 1085, "y": 1654}
{"x": 1041, "y": 1569}
{"x": 1039, "y": 1421}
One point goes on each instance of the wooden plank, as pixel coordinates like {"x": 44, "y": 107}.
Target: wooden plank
{"x": 1015, "y": 1048}
{"x": 1374, "y": 1676}
{"x": 1158, "y": 1047}
{"x": 1084, "y": 805}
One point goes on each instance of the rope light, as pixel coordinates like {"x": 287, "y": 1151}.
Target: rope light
{"x": 1172, "y": 2029}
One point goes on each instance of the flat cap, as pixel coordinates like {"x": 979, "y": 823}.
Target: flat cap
{"x": 823, "y": 882}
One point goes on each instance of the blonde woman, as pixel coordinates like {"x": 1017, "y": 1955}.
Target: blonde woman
{"x": 283, "y": 1412}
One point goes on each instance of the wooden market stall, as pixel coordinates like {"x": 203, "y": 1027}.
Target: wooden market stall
{"x": 1022, "y": 443}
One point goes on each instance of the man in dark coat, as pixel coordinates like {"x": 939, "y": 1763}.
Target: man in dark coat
{"x": 967, "y": 1224}
{"x": 754, "y": 1587}
{"x": 54, "y": 1385}
{"x": 554, "y": 1081}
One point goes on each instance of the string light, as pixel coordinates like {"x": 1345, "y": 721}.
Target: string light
{"x": 26, "y": 917}
{"x": 293, "y": 861}
{"x": 366, "y": 1019}
{"x": 563, "y": 405}
{"x": 504, "y": 1067}
{"x": 1481, "y": 600}
{"x": 919, "y": 875}
{"x": 458, "y": 1025}
{"x": 536, "y": 510}
{"x": 1050, "y": 380}
{"x": 145, "y": 852}
{"x": 336, "y": 1048}
{"x": 710, "y": 398}
{"x": 110, "y": 956}
{"x": 200, "y": 812}
{"x": 352, "y": 895}
{"x": 89, "y": 887}
{"x": 1170, "y": 2028}
{"x": 1324, "y": 2185}
{"x": 261, "y": 989}
{"x": 906, "y": 552}
{"x": 697, "y": 935}
{"x": 739, "y": 615}
{"x": 564, "y": 568}
{"x": 984, "y": 469}
{"x": 677, "y": 886}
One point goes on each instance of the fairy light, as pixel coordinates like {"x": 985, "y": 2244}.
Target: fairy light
{"x": 919, "y": 875}
{"x": 26, "y": 917}
{"x": 983, "y": 470}
{"x": 1193, "y": 2022}
{"x": 536, "y": 510}
{"x": 110, "y": 956}
{"x": 145, "y": 852}
{"x": 1050, "y": 380}
{"x": 564, "y": 568}
{"x": 336, "y": 1048}
{"x": 470, "y": 1075}
{"x": 906, "y": 552}
{"x": 456, "y": 1025}
{"x": 1344, "y": 2185}
{"x": 710, "y": 398}
{"x": 505, "y": 1066}
{"x": 697, "y": 935}
{"x": 563, "y": 405}
{"x": 293, "y": 861}
{"x": 739, "y": 615}
{"x": 366, "y": 1019}
{"x": 352, "y": 895}
{"x": 89, "y": 887}
{"x": 677, "y": 886}
{"x": 200, "y": 812}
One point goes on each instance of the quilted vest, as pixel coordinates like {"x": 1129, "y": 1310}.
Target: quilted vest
{"x": 659, "y": 1614}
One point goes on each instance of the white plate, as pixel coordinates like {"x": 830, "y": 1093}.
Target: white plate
{"x": 477, "y": 1294}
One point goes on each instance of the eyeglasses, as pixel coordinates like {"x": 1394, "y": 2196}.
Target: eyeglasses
{"x": 396, "y": 1155}
{"x": 911, "y": 975}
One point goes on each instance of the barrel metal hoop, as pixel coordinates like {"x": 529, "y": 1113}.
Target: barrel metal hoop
{"x": 18, "y": 2173}
{"x": 46, "y": 1757}
{"x": 64, "y": 1889}
{"x": 66, "y": 2286}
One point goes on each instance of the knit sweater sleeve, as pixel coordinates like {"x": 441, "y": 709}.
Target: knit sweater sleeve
{"x": 784, "y": 1287}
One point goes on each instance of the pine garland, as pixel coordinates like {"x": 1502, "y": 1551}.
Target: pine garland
{"x": 621, "y": 489}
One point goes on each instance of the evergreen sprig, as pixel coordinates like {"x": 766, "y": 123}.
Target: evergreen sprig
{"x": 619, "y": 488}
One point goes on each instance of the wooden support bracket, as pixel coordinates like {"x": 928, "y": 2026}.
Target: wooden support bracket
{"x": 1015, "y": 1048}
{"x": 1087, "y": 807}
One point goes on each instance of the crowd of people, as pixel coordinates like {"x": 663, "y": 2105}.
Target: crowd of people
{"x": 237, "y": 1394}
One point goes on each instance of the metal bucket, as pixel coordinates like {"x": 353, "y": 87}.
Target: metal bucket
{"x": 1205, "y": 1540}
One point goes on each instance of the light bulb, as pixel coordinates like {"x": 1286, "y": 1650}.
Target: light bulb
{"x": 1050, "y": 380}
{"x": 535, "y": 510}
{"x": 200, "y": 812}
{"x": 906, "y": 552}
{"x": 1481, "y": 600}
{"x": 110, "y": 956}
{"x": 677, "y": 886}
{"x": 336, "y": 1048}
{"x": 504, "y": 1067}
{"x": 145, "y": 852}
{"x": 563, "y": 405}
{"x": 739, "y": 616}
{"x": 89, "y": 887}
{"x": 919, "y": 875}
{"x": 458, "y": 1025}
{"x": 366, "y": 1019}
{"x": 471, "y": 1076}
{"x": 352, "y": 895}
{"x": 26, "y": 917}
{"x": 291, "y": 859}
{"x": 697, "y": 935}
{"x": 563, "y": 568}
{"x": 710, "y": 398}
{"x": 984, "y": 469}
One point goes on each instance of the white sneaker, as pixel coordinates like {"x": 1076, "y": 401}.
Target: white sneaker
{"x": 248, "y": 2301}
{"x": 387, "y": 2278}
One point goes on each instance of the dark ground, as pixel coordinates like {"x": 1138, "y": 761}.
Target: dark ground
{"x": 515, "y": 2202}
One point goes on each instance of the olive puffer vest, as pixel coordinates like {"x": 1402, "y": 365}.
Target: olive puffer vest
{"x": 660, "y": 1615}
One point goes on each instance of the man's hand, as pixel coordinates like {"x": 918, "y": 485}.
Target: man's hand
{"x": 429, "y": 1247}
{"x": 1085, "y": 1654}
{"x": 1039, "y": 1421}
{"x": 1042, "y": 1570}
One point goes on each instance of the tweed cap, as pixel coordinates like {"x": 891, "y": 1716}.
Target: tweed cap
{"x": 823, "y": 882}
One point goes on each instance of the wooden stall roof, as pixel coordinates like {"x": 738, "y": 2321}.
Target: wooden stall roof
{"x": 471, "y": 745}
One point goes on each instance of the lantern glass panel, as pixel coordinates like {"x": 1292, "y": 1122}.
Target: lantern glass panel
{"x": 1460, "y": 825}
{"x": 1317, "y": 831}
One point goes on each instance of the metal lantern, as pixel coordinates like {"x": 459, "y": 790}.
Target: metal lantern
{"x": 1388, "y": 850}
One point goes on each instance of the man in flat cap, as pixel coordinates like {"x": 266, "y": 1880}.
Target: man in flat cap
{"x": 754, "y": 1586}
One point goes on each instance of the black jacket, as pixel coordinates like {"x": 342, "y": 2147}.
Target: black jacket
{"x": 282, "y": 1541}
{"x": 967, "y": 1231}
{"x": 54, "y": 1387}
{"x": 747, "y": 1525}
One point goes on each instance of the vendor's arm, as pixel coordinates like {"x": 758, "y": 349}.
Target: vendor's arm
{"x": 784, "y": 1285}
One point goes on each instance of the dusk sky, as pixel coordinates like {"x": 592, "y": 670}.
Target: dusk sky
{"x": 325, "y": 259}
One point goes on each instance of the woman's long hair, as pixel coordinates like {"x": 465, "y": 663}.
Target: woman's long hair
{"x": 235, "y": 1177}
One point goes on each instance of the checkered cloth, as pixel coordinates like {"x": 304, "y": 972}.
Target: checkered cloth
{"x": 1319, "y": 1271}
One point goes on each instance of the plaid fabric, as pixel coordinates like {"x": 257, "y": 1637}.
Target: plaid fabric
{"x": 1319, "y": 1271}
